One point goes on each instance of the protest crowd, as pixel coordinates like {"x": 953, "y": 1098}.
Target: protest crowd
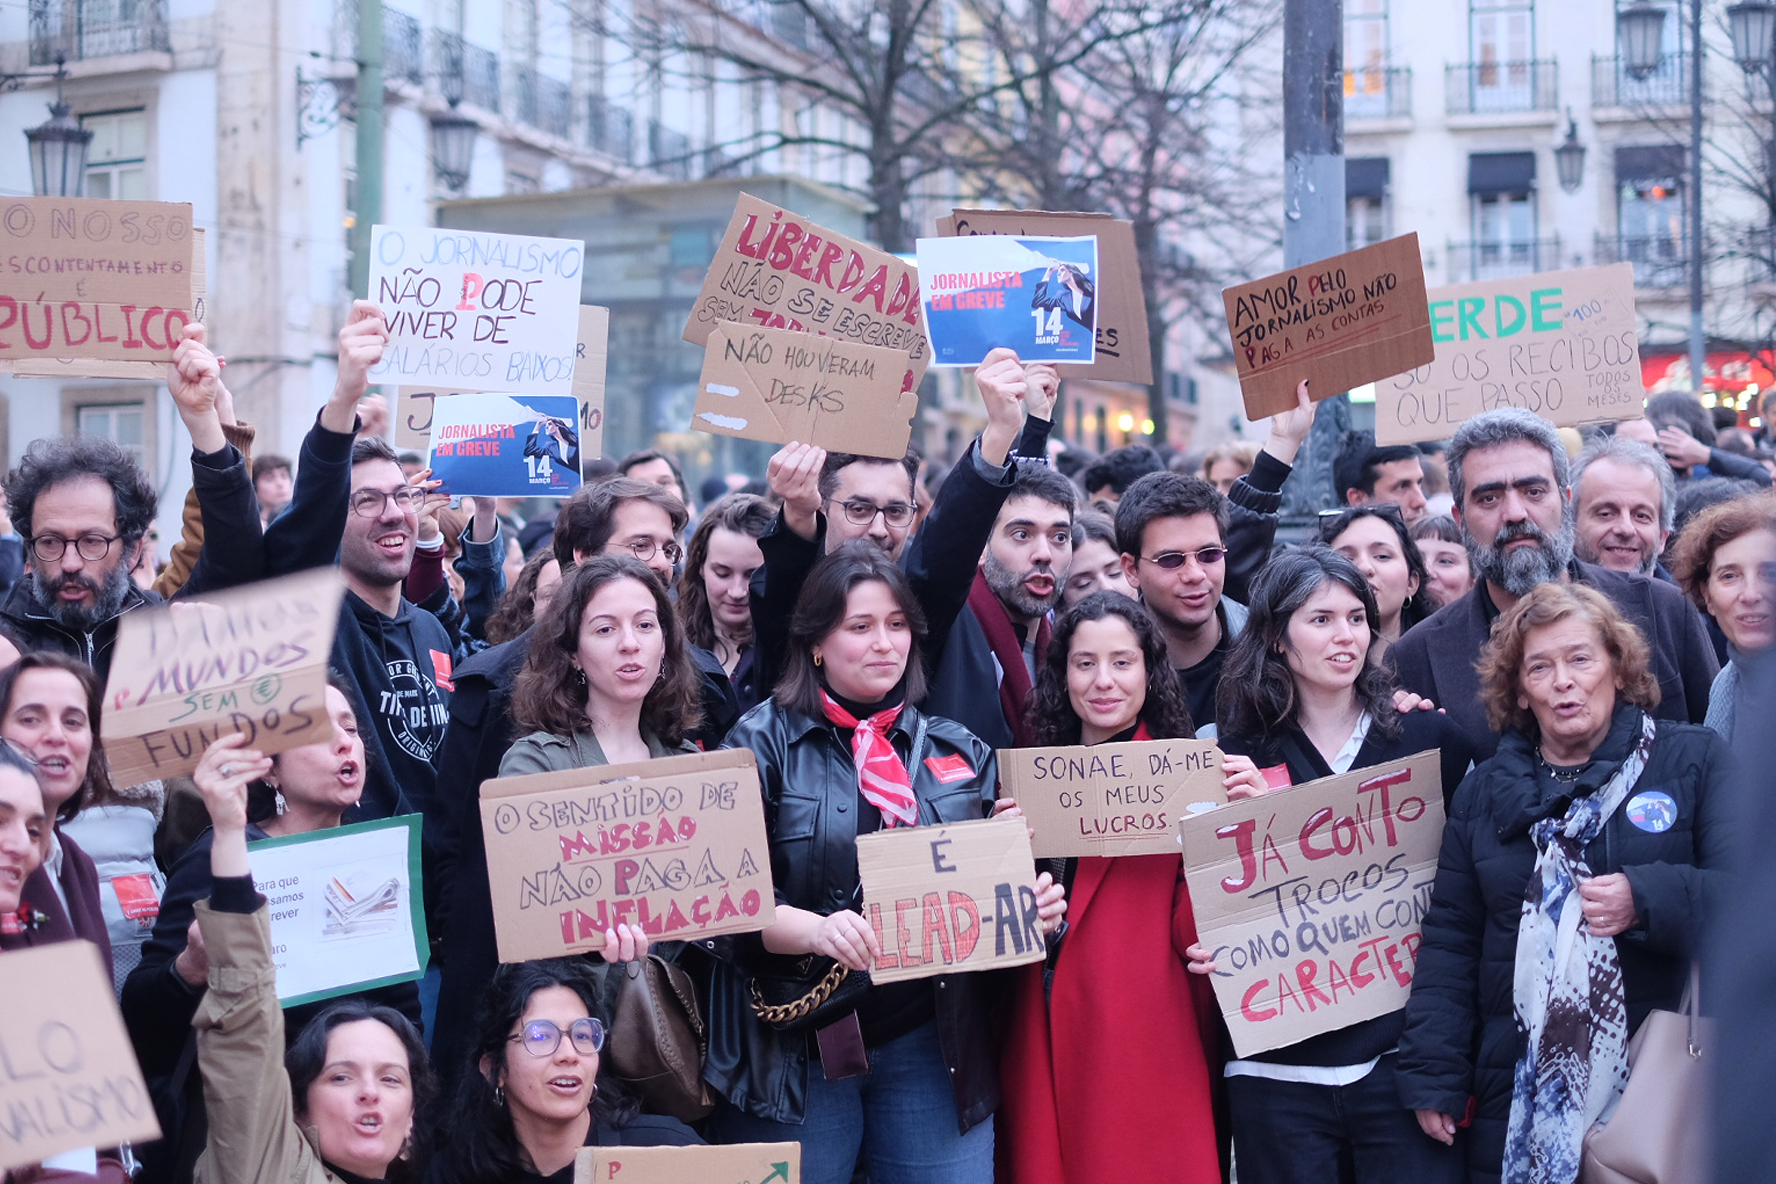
{"x": 1574, "y": 624}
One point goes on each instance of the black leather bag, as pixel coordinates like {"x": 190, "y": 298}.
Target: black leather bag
{"x": 806, "y": 993}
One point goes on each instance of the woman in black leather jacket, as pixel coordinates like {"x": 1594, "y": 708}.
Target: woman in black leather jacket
{"x": 843, "y": 750}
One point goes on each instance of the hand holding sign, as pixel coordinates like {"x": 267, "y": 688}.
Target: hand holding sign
{"x": 361, "y": 342}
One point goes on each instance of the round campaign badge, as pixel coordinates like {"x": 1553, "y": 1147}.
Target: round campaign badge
{"x": 1653, "y": 811}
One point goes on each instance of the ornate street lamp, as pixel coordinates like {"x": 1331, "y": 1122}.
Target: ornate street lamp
{"x": 1641, "y": 29}
{"x": 58, "y": 148}
{"x": 1752, "y": 23}
{"x": 453, "y": 148}
{"x": 1569, "y": 158}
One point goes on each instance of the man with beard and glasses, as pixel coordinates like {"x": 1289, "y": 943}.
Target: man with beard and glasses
{"x": 83, "y": 506}
{"x": 1512, "y": 485}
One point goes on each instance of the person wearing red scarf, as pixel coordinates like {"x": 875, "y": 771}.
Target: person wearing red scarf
{"x": 1108, "y": 1067}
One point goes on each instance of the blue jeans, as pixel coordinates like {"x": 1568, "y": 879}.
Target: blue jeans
{"x": 901, "y": 1116}
{"x": 1285, "y": 1132}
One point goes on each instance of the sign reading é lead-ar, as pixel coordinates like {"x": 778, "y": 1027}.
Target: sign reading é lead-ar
{"x": 1311, "y": 899}
{"x": 1559, "y": 343}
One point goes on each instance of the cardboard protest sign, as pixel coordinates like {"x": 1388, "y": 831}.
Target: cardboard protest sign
{"x": 780, "y": 385}
{"x": 70, "y": 1076}
{"x": 477, "y": 311}
{"x": 251, "y": 660}
{"x": 1311, "y": 899}
{"x": 1112, "y": 799}
{"x": 1037, "y": 296}
{"x": 1341, "y": 322}
{"x": 1122, "y": 350}
{"x": 506, "y": 445}
{"x": 950, "y": 898}
{"x": 413, "y": 404}
{"x": 346, "y": 908}
{"x": 1559, "y": 343}
{"x": 781, "y": 271}
{"x": 94, "y": 280}
{"x": 732, "y": 1163}
{"x": 675, "y": 845}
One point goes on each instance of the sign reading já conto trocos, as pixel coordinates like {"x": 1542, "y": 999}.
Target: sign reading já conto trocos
{"x": 952, "y": 897}
{"x": 251, "y": 660}
{"x": 1311, "y": 899}
{"x": 1112, "y": 799}
{"x": 1559, "y": 343}
{"x": 475, "y": 311}
{"x": 675, "y": 845}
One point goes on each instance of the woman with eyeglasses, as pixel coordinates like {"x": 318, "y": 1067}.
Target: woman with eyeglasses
{"x": 533, "y": 1093}
{"x": 1110, "y": 1040}
{"x": 904, "y": 1074}
{"x": 1376, "y": 540}
{"x": 1305, "y": 695}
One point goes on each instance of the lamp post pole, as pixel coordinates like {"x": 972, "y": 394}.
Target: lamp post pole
{"x": 1698, "y": 344}
{"x": 369, "y": 184}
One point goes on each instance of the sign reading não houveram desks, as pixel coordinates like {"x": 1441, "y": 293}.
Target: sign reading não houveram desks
{"x": 1311, "y": 899}
{"x": 1112, "y": 799}
{"x": 1559, "y": 343}
{"x": 675, "y": 845}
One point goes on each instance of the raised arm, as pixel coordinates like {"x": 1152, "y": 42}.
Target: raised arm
{"x": 233, "y": 551}
{"x": 1256, "y": 497}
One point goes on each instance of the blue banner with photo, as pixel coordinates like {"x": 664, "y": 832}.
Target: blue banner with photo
{"x": 1034, "y": 295}
{"x": 506, "y": 445}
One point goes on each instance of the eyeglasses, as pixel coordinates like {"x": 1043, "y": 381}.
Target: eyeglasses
{"x": 541, "y": 1038}
{"x": 1173, "y": 560}
{"x": 643, "y": 549}
{"x": 90, "y": 547}
{"x": 861, "y": 513}
{"x": 368, "y": 503}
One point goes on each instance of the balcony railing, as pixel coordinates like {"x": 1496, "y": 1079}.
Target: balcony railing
{"x": 1497, "y": 259}
{"x": 1378, "y": 93}
{"x": 1660, "y": 261}
{"x": 466, "y": 72}
{"x": 542, "y": 102}
{"x": 403, "y": 43}
{"x": 1613, "y": 86}
{"x": 610, "y": 129}
{"x": 669, "y": 151}
{"x": 80, "y": 29}
{"x": 1477, "y": 88}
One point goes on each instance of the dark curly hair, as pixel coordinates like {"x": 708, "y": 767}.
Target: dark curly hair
{"x": 517, "y": 608}
{"x": 821, "y": 609}
{"x": 1165, "y": 495}
{"x": 1257, "y": 693}
{"x": 96, "y": 788}
{"x": 481, "y": 1146}
{"x": 51, "y": 460}
{"x": 550, "y": 694}
{"x": 742, "y": 513}
{"x": 1050, "y": 711}
{"x": 307, "y": 1057}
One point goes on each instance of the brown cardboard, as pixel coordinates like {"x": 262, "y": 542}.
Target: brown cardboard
{"x": 732, "y": 1163}
{"x": 70, "y": 1076}
{"x": 1111, "y": 799}
{"x": 1123, "y": 353}
{"x": 572, "y": 853}
{"x": 413, "y": 404}
{"x": 780, "y": 385}
{"x": 1341, "y": 322}
{"x": 1310, "y": 899}
{"x": 779, "y": 270}
{"x": 88, "y": 249}
{"x": 250, "y": 660}
{"x": 944, "y": 899}
{"x": 1559, "y": 343}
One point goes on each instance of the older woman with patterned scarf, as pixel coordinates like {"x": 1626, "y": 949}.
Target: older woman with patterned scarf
{"x": 1579, "y": 866}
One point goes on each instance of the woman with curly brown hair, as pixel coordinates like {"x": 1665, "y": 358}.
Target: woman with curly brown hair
{"x": 1111, "y": 1039}
{"x": 1725, "y": 561}
{"x": 1578, "y": 868}
{"x": 715, "y": 587}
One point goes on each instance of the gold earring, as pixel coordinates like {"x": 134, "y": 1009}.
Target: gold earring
{"x": 816, "y": 657}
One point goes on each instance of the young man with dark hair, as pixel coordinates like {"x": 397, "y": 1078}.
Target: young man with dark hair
{"x": 1365, "y": 473}
{"x": 1109, "y": 477}
{"x": 272, "y": 485}
{"x": 655, "y": 468}
{"x": 1513, "y": 499}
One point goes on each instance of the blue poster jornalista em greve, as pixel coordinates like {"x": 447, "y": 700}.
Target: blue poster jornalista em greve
{"x": 1035, "y": 295}
{"x": 506, "y": 445}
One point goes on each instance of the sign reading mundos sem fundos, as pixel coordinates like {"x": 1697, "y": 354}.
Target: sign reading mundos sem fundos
{"x": 1561, "y": 344}
{"x": 676, "y": 846}
{"x": 1339, "y": 323}
{"x": 251, "y": 660}
{"x": 1112, "y": 799}
{"x": 68, "y": 1075}
{"x": 1311, "y": 899}
{"x": 93, "y": 279}
{"x": 950, "y": 897}
{"x": 777, "y": 269}
{"x": 477, "y": 311}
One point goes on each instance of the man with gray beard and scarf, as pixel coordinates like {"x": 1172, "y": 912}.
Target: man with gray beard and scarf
{"x": 1512, "y": 485}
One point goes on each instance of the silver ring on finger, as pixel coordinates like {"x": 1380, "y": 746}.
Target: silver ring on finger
{"x": 227, "y": 771}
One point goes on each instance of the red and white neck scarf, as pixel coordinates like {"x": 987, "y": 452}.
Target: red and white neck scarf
{"x": 881, "y": 775}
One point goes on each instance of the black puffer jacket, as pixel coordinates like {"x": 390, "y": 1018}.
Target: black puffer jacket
{"x": 812, "y": 814}
{"x": 1461, "y": 1035}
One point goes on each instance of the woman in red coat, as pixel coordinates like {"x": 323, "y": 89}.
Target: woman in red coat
{"x": 1106, "y": 1072}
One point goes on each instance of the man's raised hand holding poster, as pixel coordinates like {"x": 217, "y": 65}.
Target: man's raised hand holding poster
{"x": 1037, "y": 296}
